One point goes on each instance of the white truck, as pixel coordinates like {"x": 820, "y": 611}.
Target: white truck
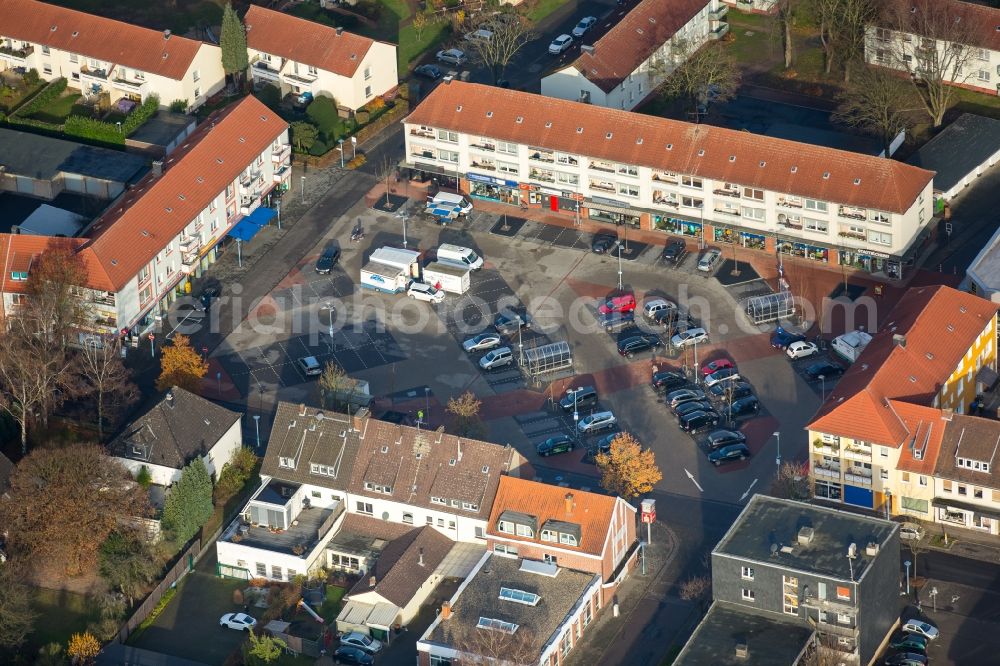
{"x": 851, "y": 344}
{"x": 452, "y": 278}
{"x": 390, "y": 269}
{"x": 463, "y": 256}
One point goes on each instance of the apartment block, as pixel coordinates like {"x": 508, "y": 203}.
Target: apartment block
{"x": 874, "y": 442}
{"x": 966, "y": 480}
{"x": 626, "y": 65}
{"x": 98, "y": 55}
{"x": 299, "y": 56}
{"x": 706, "y": 183}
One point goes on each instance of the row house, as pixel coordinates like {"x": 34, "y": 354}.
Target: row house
{"x": 172, "y": 224}
{"x": 554, "y": 559}
{"x": 710, "y": 184}
{"x": 789, "y": 575}
{"x": 99, "y": 55}
{"x": 953, "y": 39}
{"x": 875, "y": 440}
{"x": 966, "y": 484}
{"x": 626, "y": 65}
{"x": 299, "y": 56}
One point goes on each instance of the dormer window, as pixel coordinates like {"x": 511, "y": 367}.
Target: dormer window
{"x": 975, "y": 465}
{"x": 287, "y": 463}
{"x": 505, "y": 527}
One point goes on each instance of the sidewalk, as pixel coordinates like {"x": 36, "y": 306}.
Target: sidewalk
{"x": 962, "y": 542}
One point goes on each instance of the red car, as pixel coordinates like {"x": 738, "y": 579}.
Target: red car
{"x": 718, "y": 364}
{"x": 617, "y": 303}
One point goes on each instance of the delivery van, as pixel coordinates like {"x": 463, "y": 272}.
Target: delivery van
{"x": 463, "y": 256}
{"x": 449, "y": 199}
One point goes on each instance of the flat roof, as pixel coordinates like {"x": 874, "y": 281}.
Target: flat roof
{"x": 43, "y": 157}
{"x": 770, "y": 640}
{"x": 959, "y": 149}
{"x": 769, "y": 529}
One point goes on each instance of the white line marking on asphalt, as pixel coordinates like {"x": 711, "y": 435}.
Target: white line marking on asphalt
{"x": 744, "y": 495}
{"x": 691, "y": 476}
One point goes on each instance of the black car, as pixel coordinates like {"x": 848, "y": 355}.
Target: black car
{"x": 698, "y": 420}
{"x": 680, "y": 396}
{"x": 347, "y": 654}
{"x": 743, "y": 408}
{"x": 603, "y": 445}
{"x": 674, "y": 251}
{"x": 735, "y": 390}
{"x": 693, "y": 406}
{"x": 823, "y": 369}
{"x": 432, "y": 72}
{"x": 327, "y": 260}
{"x": 616, "y": 321}
{"x": 605, "y": 244}
{"x": 668, "y": 380}
{"x": 729, "y": 454}
{"x": 906, "y": 659}
{"x": 781, "y": 338}
{"x": 557, "y": 444}
{"x": 673, "y": 321}
{"x": 720, "y": 438}
{"x": 509, "y": 323}
{"x": 577, "y": 399}
{"x": 207, "y": 295}
{"x": 631, "y": 346}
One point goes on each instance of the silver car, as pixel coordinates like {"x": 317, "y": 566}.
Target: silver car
{"x": 596, "y": 422}
{"x": 482, "y": 342}
{"x": 451, "y": 56}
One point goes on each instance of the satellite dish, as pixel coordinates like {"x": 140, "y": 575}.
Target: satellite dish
{"x": 774, "y": 549}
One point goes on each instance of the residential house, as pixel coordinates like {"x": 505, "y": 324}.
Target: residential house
{"x": 299, "y": 56}
{"x": 952, "y": 39}
{"x": 555, "y": 558}
{"x": 698, "y": 181}
{"x": 100, "y": 55}
{"x": 626, "y": 64}
{"x": 179, "y": 428}
{"x": 171, "y": 225}
{"x": 754, "y": 6}
{"x": 962, "y": 152}
{"x": 874, "y": 441}
{"x": 794, "y": 573}
{"x": 982, "y": 277}
{"x": 966, "y": 481}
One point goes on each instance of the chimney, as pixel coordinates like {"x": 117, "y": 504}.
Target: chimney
{"x": 459, "y": 450}
{"x": 372, "y": 581}
{"x": 302, "y": 409}
{"x": 166, "y": 34}
{"x": 340, "y": 31}
{"x": 359, "y": 419}
{"x": 446, "y": 610}
{"x": 421, "y": 560}
{"x": 170, "y": 399}
{"x": 947, "y": 414}
{"x": 569, "y": 503}
{"x": 899, "y": 340}
{"x": 742, "y": 650}
{"x": 157, "y": 168}
{"x": 587, "y": 48}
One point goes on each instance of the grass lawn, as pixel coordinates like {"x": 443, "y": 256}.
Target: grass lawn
{"x": 11, "y": 98}
{"x": 331, "y": 607}
{"x": 57, "y": 112}
{"x": 410, "y": 48}
{"x": 60, "y": 614}
{"x": 752, "y": 43}
{"x": 543, "y": 8}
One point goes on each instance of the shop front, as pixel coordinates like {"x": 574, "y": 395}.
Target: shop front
{"x": 872, "y": 261}
{"x": 742, "y": 238}
{"x": 493, "y": 189}
{"x": 423, "y": 172}
{"x": 804, "y": 251}
{"x": 753, "y": 241}
{"x": 676, "y": 225}
{"x": 611, "y": 211}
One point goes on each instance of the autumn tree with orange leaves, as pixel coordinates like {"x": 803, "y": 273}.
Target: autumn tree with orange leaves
{"x": 181, "y": 365}
{"x": 626, "y": 469}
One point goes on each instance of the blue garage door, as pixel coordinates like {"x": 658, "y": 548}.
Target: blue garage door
{"x": 859, "y": 496}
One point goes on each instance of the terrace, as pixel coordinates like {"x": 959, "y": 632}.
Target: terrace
{"x": 299, "y": 538}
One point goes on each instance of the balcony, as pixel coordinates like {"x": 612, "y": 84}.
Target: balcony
{"x": 852, "y": 213}
{"x": 719, "y": 13}
{"x": 542, "y": 156}
{"x": 790, "y": 224}
{"x": 664, "y": 201}
{"x": 485, "y": 165}
{"x": 301, "y": 80}
{"x": 826, "y": 472}
{"x": 728, "y": 192}
{"x": 790, "y": 202}
{"x": 104, "y": 298}
{"x": 542, "y": 176}
{"x": 726, "y": 211}
{"x": 189, "y": 263}
{"x": 856, "y": 478}
{"x": 599, "y": 166}
{"x": 488, "y": 147}
{"x": 281, "y": 174}
{"x": 98, "y": 74}
{"x": 249, "y": 204}
{"x": 280, "y": 155}
{"x": 17, "y": 56}
{"x": 308, "y": 529}
{"x": 859, "y": 454}
{"x": 854, "y": 235}
{"x": 252, "y": 183}
{"x": 130, "y": 85}
{"x": 719, "y": 32}
{"x": 826, "y": 449}
{"x": 664, "y": 177}
{"x": 262, "y": 71}
{"x": 190, "y": 243}
{"x": 604, "y": 187}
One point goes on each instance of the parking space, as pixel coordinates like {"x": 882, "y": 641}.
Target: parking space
{"x": 823, "y": 387}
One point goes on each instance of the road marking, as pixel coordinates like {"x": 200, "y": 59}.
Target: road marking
{"x": 691, "y": 476}
{"x": 744, "y": 495}
{"x": 182, "y": 322}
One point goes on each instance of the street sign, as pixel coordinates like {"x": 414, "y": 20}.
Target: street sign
{"x": 947, "y": 228}
{"x": 648, "y": 507}
{"x": 151, "y": 337}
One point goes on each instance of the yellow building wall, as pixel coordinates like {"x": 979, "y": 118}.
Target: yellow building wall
{"x": 959, "y": 390}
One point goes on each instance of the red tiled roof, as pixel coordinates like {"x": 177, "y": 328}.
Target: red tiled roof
{"x": 19, "y": 251}
{"x": 592, "y": 512}
{"x": 634, "y": 39}
{"x": 925, "y": 432}
{"x": 305, "y": 41}
{"x": 157, "y": 209}
{"x": 98, "y": 37}
{"x": 980, "y": 25}
{"x": 939, "y": 324}
{"x": 701, "y": 150}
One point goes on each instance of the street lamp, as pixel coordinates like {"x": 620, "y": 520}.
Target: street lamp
{"x": 354, "y": 147}
{"x": 777, "y": 459}
{"x": 402, "y": 216}
{"x": 619, "y": 268}
{"x": 822, "y": 378}
{"x": 907, "y": 564}
{"x": 256, "y": 425}
{"x": 576, "y": 414}
{"x": 332, "y": 311}
{"x": 427, "y": 402}
{"x": 340, "y": 147}
{"x": 302, "y": 181}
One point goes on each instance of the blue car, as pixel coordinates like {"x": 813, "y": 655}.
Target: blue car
{"x": 781, "y": 338}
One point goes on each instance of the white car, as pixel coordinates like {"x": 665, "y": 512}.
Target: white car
{"x": 479, "y": 35}
{"x": 238, "y": 621}
{"x": 482, "y": 342}
{"x": 451, "y": 56}
{"x": 361, "y": 641}
{"x": 422, "y": 291}
{"x": 801, "y": 349}
{"x": 596, "y": 422}
{"x": 911, "y": 531}
{"x": 560, "y": 44}
{"x": 584, "y": 25}
{"x": 915, "y": 626}
{"x": 650, "y": 308}
{"x": 691, "y": 336}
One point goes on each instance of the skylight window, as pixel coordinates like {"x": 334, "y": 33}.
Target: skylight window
{"x": 519, "y": 596}
{"x": 496, "y": 625}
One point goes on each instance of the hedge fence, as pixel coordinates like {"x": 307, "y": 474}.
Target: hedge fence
{"x": 45, "y": 96}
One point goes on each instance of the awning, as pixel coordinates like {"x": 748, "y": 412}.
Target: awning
{"x": 248, "y": 227}
{"x": 986, "y": 376}
{"x": 379, "y": 615}
{"x": 976, "y": 509}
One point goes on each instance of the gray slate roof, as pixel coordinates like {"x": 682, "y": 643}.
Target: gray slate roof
{"x": 44, "y": 157}
{"x": 958, "y": 149}
{"x": 770, "y": 640}
{"x": 398, "y": 572}
{"x": 179, "y": 428}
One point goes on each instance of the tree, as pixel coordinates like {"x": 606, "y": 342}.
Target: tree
{"x": 825, "y": 13}
{"x": 269, "y": 95}
{"x": 22, "y": 386}
{"x": 264, "y": 649}
{"x": 626, "y": 469}
{"x": 703, "y": 75}
{"x": 419, "y": 24}
{"x": 698, "y": 589}
{"x": 144, "y": 478}
{"x": 786, "y": 14}
{"x": 105, "y": 377}
{"x": 485, "y": 647}
{"x": 304, "y": 134}
{"x": 465, "y": 412}
{"x": 63, "y": 503}
{"x": 53, "y": 306}
{"x": 126, "y": 563}
{"x": 233, "y": 42}
{"x": 322, "y": 111}
{"x": 916, "y": 548}
{"x": 181, "y": 365}
{"x": 17, "y": 616}
{"x": 849, "y": 31}
{"x": 879, "y": 103}
{"x": 51, "y": 654}
{"x": 189, "y": 502}
{"x": 792, "y": 481}
{"x": 511, "y": 32}
{"x": 83, "y": 647}
{"x": 235, "y": 473}
{"x": 940, "y": 52}
{"x": 332, "y": 383}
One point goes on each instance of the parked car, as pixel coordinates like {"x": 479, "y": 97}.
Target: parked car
{"x": 715, "y": 366}
{"x": 743, "y": 408}
{"x": 616, "y": 321}
{"x": 667, "y": 380}
{"x": 481, "y": 35}
{"x": 911, "y": 531}
{"x": 553, "y": 445}
{"x": 691, "y": 336}
{"x": 208, "y": 296}
{"x": 823, "y": 369}
{"x": 801, "y": 349}
{"x": 327, "y": 260}
{"x": 603, "y": 445}
{"x": 683, "y": 395}
{"x": 585, "y": 24}
{"x": 693, "y": 406}
{"x": 482, "y": 342}
{"x": 734, "y": 390}
{"x": 698, "y": 421}
{"x": 910, "y": 643}
{"x": 237, "y": 621}
{"x": 709, "y": 260}
{"x": 422, "y": 291}
{"x": 428, "y": 71}
{"x": 729, "y": 453}
{"x": 596, "y": 422}
{"x": 578, "y": 398}
{"x": 781, "y": 338}
{"x": 906, "y": 659}
{"x": 922, "y": 628}
{"x": 617, "y": 303}
{"x": 673, "y": 321}
{"x": 720, "y": 438}
{"x": 508, "y": 322}
{"x": 454, "y": 57}
{"x": 605, "y": 244}
{"x": 560, "y": 44}
{"x": 655, "y": 306}
{"x": 348, "y": 654}
{"x": 675, "y": 251}
{"x": 720, "y": 376}
{"x": 361, "y": 641}
{"x": 310, "y": 367}
{"x": 497, "y": 358}
{"x": 631, "y": 346}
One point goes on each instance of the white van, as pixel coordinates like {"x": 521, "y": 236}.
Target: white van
{"x": 463, "y": 256}
{"x": 444, "y": 199}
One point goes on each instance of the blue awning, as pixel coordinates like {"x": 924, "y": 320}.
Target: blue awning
{"x": 248, "y": 227}
{"x": 262, "y": 216}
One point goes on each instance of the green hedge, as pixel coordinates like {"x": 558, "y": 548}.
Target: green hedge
{"x": 146, "y": 111}
{"x": 48, "y": 94}
{"x": 99, "y": 130}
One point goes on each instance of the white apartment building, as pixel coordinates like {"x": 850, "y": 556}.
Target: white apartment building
{"x": 299, "y": 56}
{"x": 974, "y": 65}
{"x": 97, "y": 55}
{"x": 754, "y": 6}
{"x": 628, "y": 63}
{"x": 710, "y": 184}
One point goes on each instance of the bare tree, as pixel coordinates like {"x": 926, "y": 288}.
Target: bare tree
{"x": 879, "y": 103}
{"x": 785, "y": 16}
{"x": 698, "y": 589}
{"x": 936, "y": 44}
{"x": 705, "y": 74}
{"x": 825, "y": 13}
{"x": 792, "y": 481}
{"x": 492, "y": 647}
{"x": 106, "y": 378}
{"x": 510, "y": 32}
{"x": 384, "y": 172}
{"x": 53, "y": 300}
{"x": 333, "y": 382}
{"x": 849, "y": 31}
